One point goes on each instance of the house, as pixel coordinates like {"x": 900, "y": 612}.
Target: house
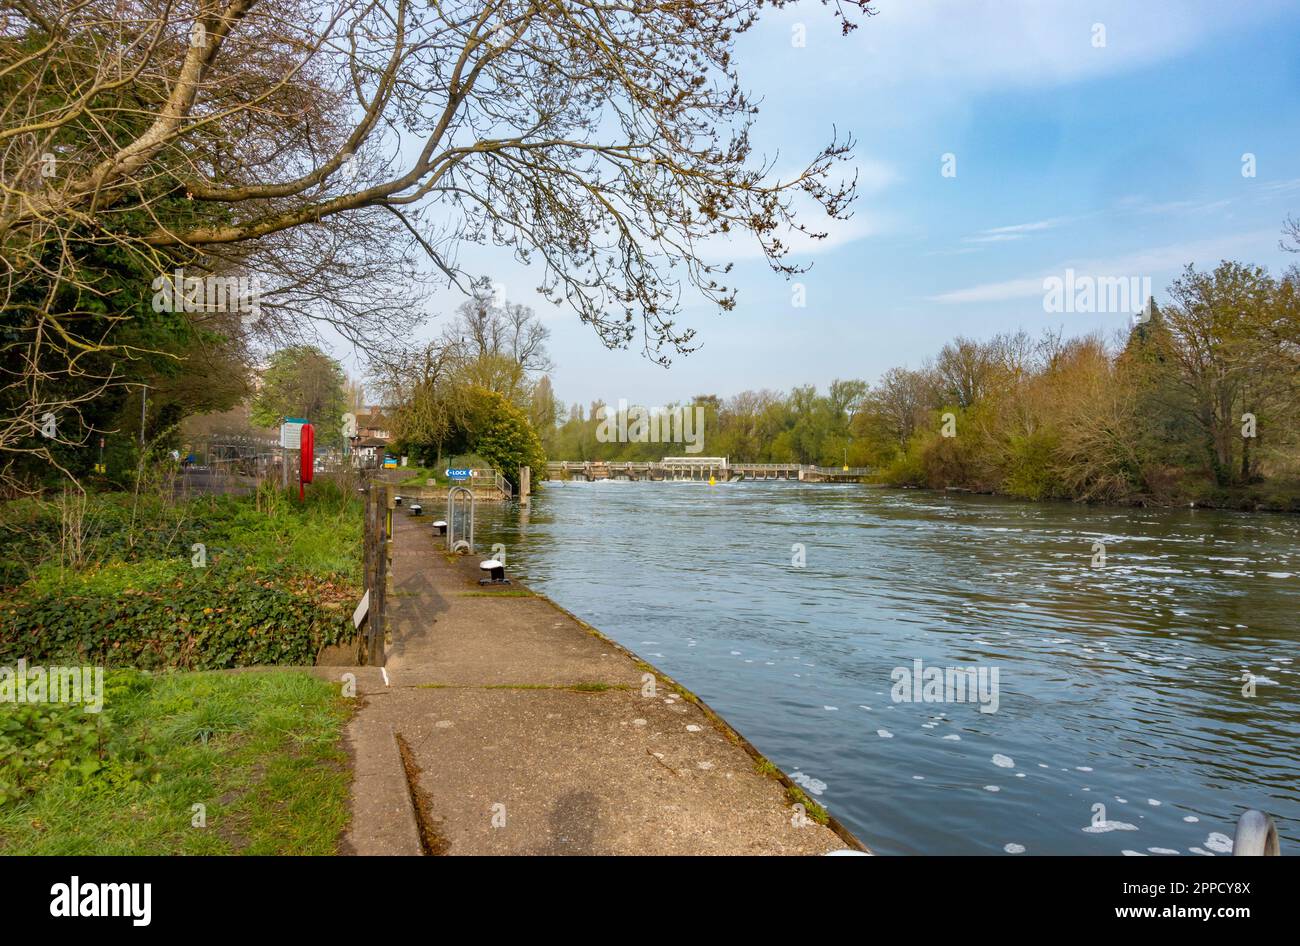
{"x": 373, "y": 425}
{"x": 371, "y": 440}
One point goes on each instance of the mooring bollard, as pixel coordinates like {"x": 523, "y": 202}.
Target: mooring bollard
{"x": 416, "y": 509}
{"x": 440, "y": 527}
{"x": 1256, "y": 836}
{"x": 496, "y": 573}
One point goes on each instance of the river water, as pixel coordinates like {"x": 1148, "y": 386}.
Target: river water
{"x": 1118, "y": 683}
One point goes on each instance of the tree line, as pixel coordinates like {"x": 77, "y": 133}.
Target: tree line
{"x": 1196, "y": 403}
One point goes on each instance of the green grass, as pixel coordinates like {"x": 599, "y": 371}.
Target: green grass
{"x": 108, "y": 578}
{"x": 261, "y": 750}
{"x": 417, "y": 476}
{"x": 420, "y": 475}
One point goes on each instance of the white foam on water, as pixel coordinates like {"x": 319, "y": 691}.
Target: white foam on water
{"x": 1278, "y": 574}
{"x": 1162, "y": 850}
{"x": 1003, "y": 761}
{"x": 1128, "y": 853}
{"x": 953, "y": 738}
{"x": 1122, "y": 801}
{"x": 1191, "y": 819}
{"x": 1153, "y": 803}
{"x": 1083, "y": 768}
{"x": 1014, "y": 848}
{"x": 918, "y": 778}
{"x": 1220, "y": 843}
{"x": 884, "y": 734}
{"x": 831, "y": 709}
{"x": 1201, "y": 851}
{"x": 992, "y": 788}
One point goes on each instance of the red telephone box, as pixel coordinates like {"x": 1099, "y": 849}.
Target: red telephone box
{"x": 306, "y": 458}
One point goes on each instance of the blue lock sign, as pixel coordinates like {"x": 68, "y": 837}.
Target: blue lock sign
{"x": 458, "y": 474}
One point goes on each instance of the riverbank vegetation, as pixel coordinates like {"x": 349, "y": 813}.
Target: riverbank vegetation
{"x": 1197, "y": 402}
{"x": 144, "y": 580}
{"x": 194, "y": 763}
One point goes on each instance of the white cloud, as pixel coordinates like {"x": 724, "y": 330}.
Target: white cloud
{"x": 1017, "y": 231}
{"x": 985, "y": 43}
{"x": 1148, "y": 263}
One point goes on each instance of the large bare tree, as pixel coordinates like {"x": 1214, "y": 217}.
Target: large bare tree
{"x": 604, "y": 141}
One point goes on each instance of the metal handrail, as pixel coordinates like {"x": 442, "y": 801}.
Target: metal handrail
{"x": 500, "y": 482}
{"x": 1256, "y": 836}
{"x": 464, "y": 494}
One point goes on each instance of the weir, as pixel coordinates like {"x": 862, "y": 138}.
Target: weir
{"x": 720, "y": 469}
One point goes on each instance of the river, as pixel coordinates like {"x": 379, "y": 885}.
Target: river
{"x": 1115, "y": 683}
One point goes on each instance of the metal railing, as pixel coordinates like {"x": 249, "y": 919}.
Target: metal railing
{"x": 462, "y": 498}
{"x": 1256, "y": 836}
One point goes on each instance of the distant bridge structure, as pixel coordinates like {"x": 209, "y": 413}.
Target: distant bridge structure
{"x": 720, "y": 469}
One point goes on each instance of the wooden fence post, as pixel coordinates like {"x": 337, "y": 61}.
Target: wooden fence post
{"x": 372, "y": 578}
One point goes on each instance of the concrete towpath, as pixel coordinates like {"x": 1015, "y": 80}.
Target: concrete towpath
{"x": 501, "y": 724}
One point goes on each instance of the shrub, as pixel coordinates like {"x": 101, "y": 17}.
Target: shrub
{"x": 223, "y": 616}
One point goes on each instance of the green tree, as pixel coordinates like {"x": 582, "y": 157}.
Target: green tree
{"x": 501, "y": 434}
{"x": 301, "y": 381}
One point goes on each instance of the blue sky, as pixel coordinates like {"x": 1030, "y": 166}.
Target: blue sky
{"x": 1121, "y": 160}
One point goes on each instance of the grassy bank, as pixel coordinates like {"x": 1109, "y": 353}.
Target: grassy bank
{"x": 260, "y": 751}
{"x": 154, "y": 583}
{"x": 420, "y": 475}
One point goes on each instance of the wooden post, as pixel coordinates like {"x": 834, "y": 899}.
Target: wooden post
{"x": 525, "y": 484}
{"x": 382, "y": 524}
{"x": 373, "y": 579}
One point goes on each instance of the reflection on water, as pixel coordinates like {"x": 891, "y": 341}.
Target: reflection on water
{"x": 1118, "y": 686}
